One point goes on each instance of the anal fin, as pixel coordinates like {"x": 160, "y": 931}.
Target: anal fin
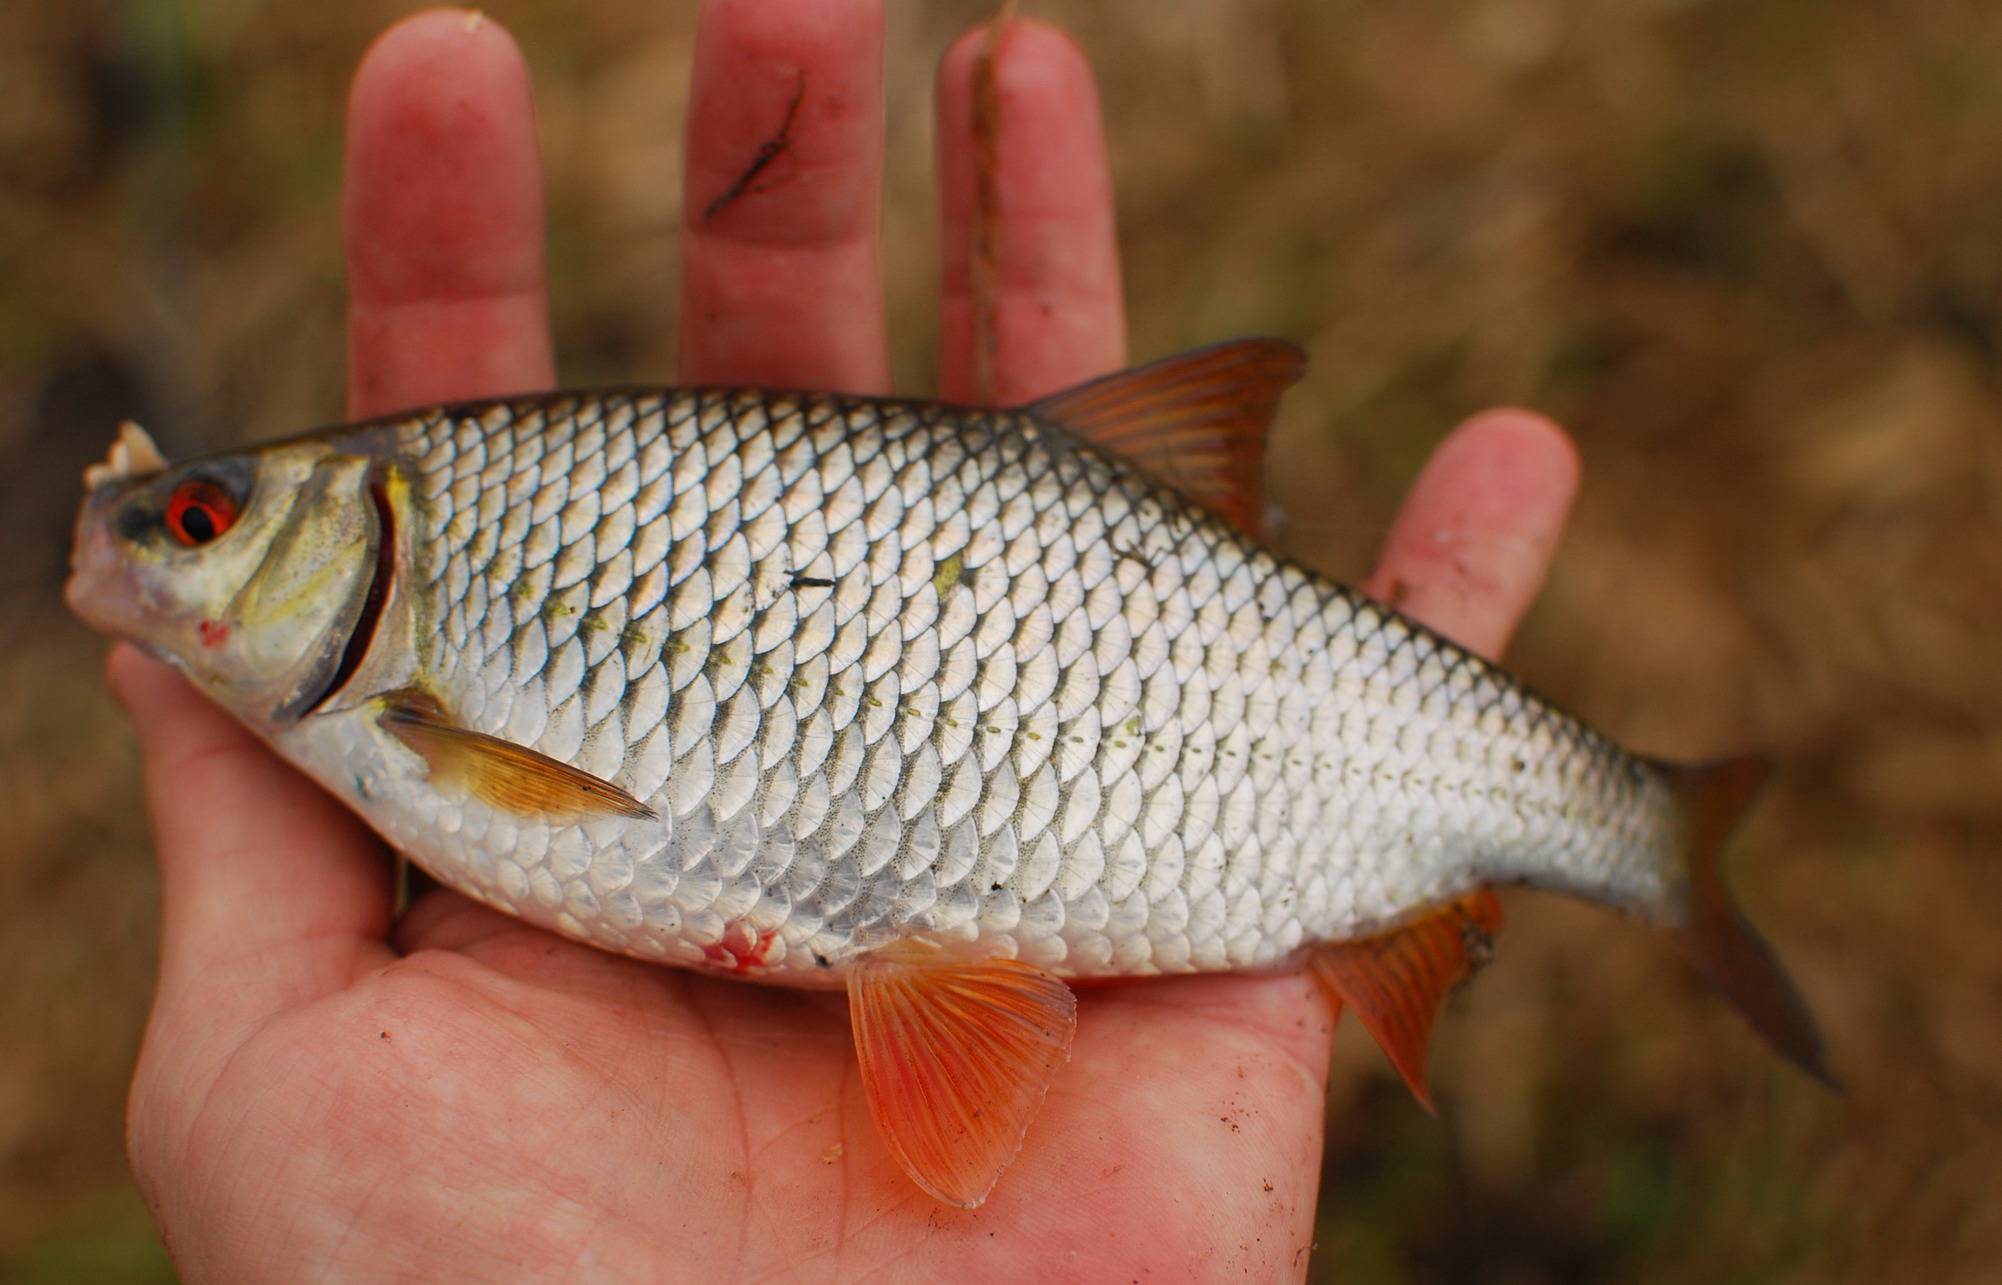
{"x": 956, "y": 1059}
{"x": 500, "y": 773}
{"x": 1397, "y": 981}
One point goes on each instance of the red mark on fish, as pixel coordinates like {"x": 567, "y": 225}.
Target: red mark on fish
{"x": 214, "y": 632}
{"x": 743, "y": 949}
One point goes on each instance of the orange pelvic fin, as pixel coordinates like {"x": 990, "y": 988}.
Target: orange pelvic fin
{"x": 1718, "y": 939}
{"x": 1196, "y": 421}
{"x": 956, "y": 1058}
{"x": 500, "y": 773}
{"x": 1396, "y": 982}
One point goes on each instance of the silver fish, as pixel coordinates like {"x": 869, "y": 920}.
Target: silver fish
{"x": 925, "y": 701}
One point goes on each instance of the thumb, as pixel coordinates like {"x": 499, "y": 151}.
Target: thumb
{"x": 272, "y": 894}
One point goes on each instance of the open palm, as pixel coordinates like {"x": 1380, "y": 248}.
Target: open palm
{"x": 328, "y": 1091}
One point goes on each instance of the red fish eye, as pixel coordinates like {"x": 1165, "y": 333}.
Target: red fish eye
{"x": 198, "y": 512}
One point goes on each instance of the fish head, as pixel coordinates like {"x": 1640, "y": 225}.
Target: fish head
{"x": 248, "y": 572}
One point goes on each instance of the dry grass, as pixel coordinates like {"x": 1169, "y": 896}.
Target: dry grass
{"x": 1747, "y": 250}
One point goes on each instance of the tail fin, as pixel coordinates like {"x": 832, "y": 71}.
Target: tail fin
{"x": 1719, "y": 941}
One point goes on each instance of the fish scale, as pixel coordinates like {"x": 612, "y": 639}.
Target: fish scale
{"x": 884, "y": 669}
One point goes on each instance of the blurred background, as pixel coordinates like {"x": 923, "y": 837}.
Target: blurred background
{"x": 1750, "y": 251}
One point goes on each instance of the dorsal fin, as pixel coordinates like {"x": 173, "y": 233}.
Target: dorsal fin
{"x": 1396, "y": 981}
{"x": 1196, "y": 421}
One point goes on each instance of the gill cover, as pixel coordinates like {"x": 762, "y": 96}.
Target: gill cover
{"x": 297, "y": 613}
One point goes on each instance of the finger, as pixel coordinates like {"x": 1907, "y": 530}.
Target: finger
{"x": 781, "y": 272}
{"x": 1054, "y": 315}
{"x": 271, "y": 893}
{"x": 1471, "y": 546}
{"x": 442, "y": 216}
{"x": 446, "y": 920}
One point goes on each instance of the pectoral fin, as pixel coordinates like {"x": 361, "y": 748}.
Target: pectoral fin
{"x": 956, "y": 1058}
{"x": 500, "y": 773}
{"x": 1397, "y": 981}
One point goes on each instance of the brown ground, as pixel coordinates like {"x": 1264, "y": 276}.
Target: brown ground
{"x": 1747, "y": 249}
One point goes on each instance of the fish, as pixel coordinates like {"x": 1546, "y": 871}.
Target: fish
{"x": 951, "y": 707}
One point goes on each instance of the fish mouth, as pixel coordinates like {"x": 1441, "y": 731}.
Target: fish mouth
{"x": 362, "y": 636}
{"x": 104, "y": 590}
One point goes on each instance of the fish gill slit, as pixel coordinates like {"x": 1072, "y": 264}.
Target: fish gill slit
{"x": 363, "y": 633}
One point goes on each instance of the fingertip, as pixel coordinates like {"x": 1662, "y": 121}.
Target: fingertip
{"x": 785, "y": 123}
{"x": 442, "y": 217}
{"x": 442, "y": 174}
{"x": 781, "y": 272}
{"x": 1053, "y": 313}
{"x": 1475, "y": 537}
{"x": 1526, "y": 457}
{"x": 429, "y": 58}
{"x": 1050, "y": 142}
{"x": 1039, "y": 55}
{"x": 460, "y": 29}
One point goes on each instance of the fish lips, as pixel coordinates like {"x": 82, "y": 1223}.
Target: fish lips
{"x": 105, "y": 589}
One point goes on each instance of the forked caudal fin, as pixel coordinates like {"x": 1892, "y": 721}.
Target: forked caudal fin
{"x": 1397, "y": 981}
{"x": 1720, "y": 942}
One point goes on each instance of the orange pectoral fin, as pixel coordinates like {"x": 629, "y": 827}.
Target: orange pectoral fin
{"x": 956, "y": 1058}
{"x": 500, "y": 773}
{"x": 1396, "y": 982}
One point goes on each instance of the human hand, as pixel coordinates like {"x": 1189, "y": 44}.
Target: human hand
{"x": 325, "y": 1090}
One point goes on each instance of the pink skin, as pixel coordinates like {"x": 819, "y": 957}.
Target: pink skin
{"x": 325, "y": 1091}
{"x": 1059, "y": 318}
{"x": 781, "y": 282}
{"x": 441, "y": 212}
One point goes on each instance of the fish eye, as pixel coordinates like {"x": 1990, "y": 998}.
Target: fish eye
{"x": 198, "y": 511}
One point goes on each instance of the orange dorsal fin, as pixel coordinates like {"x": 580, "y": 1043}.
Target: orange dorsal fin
{"x": 1397, "y": 981}
{"x": 1196, "y": 421}
{"x": 956, "y": 1058}
{"x": 500, "y": 773}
